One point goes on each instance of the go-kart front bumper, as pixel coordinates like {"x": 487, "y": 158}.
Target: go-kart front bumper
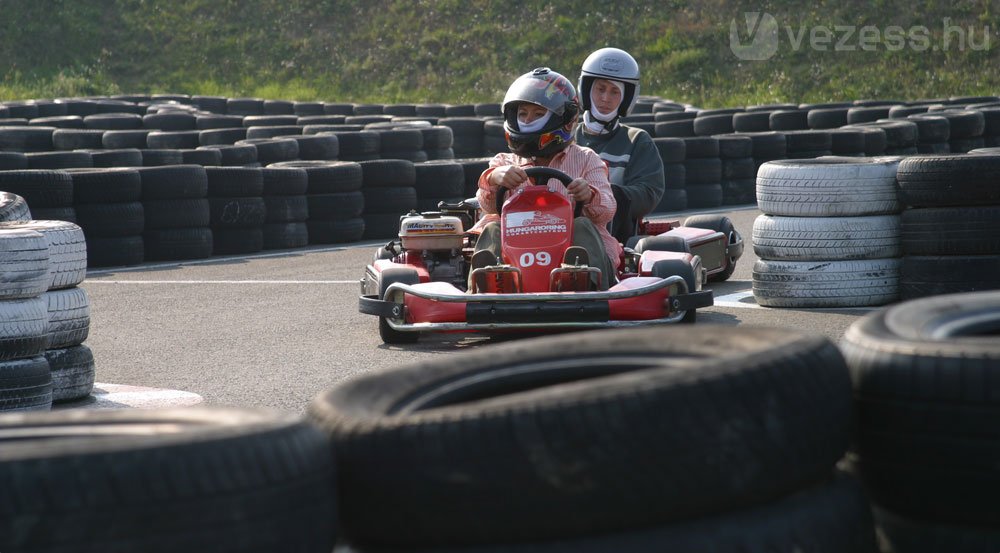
{"x": 534, "y": 311}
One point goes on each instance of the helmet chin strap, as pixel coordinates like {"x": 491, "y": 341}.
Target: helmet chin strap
{"x": 597, "y": 126}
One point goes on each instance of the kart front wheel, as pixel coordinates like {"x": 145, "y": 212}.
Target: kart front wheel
{"x": 718, "y": 223}
{"x": 387, "y": 277}
{"x": 671, "y": 267}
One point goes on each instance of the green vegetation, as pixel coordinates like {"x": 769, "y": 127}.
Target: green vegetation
{"x": 468, "y": 51}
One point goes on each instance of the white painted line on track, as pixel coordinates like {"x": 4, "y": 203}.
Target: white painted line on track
{"x": 355, "y": 281}
{"x": 736, "y": 300}
{"x": 224, "y": 259}
{"x": 120, "y": 396}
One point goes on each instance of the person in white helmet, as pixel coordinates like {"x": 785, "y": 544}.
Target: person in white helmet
{"x": 609, "y": 88}
{"x": 540, "y": 112}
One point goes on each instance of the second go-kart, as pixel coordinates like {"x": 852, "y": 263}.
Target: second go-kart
{"x": 425, "y": 282}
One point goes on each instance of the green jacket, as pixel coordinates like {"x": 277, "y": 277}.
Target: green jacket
{"x": 633, "y": 163}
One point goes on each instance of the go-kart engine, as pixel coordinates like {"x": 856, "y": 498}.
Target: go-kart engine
{"x": 431, "y": 231}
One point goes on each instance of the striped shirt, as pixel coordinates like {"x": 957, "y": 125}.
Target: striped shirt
{"x": 577, "y": 162}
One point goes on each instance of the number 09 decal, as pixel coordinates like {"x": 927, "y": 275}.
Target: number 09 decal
{"x": 541, "y": 258}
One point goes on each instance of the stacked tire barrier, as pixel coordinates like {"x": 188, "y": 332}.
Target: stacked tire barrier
{"x": 574, "y": 447}
{"x": 703, "y": 172}
{"x": 177, "y": 211}
{"x": 389, "y": 189}
{"x": 236, "y": 209}
{"x": 286, "y": 207}
{"x": 949, "y": 232}
{"x": 438, "y": 181}
{"x": 240, "y": 480}
{"x": 829, "y": 235}
{"x": 333, "y": 199}
{"x": 738, "y": 169}
{"x": 109, "y": 209}
{"x": 672, "y": 151}
{"x": 926, "y": 442}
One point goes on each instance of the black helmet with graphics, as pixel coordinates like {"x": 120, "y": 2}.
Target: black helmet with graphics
{"x": 612, "y": 64}
{"x": 553, "y": 92}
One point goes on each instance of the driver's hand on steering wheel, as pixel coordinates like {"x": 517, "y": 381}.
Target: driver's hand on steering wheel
{"x": 580, "y": 190}
{"x": 508, "y": 176}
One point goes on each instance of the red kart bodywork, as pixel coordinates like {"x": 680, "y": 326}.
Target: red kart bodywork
{"x": 532, "y": 288}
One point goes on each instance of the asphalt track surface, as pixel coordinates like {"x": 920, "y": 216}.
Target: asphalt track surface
{"x": 275, "y": 329}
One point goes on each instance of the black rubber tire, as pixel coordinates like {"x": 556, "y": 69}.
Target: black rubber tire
{"x": 111, "y": 220}
{"x": 681, "y": 129}
{"x": 964, "y": 123}
{"x": 317, "y": 148}
{"x": 951, "y": 231}
{"x": 173, "y": 182}
{"x": 174, "y": 244}
{"x": 286, "y": 209}
{"x": 963, "y": 145}
{"x": 125, "y": 139}
{"x": 704, "y": 195}
{"x": 59, "y": 122}
{"x": 237, "y": 240}
{"x": 22, "y": 138}
{"x": 703, "y": 170}
{"x": 701, "y": 147}
{"x": 672, "y": 200}
{"x": 221, "y": 137}
{"x": 339, "y": 231}
{"x": 273, "y": 150}
{"x": 113, "y": 121}
{"x": 120, "y": 251}
{"x": 225, "y": 182}
{"x": 900, "y": 534}
{"x": 734, "y": 146}
{"x": 343, "y": 205}
{"x": 281, "y": 236}
{"x": 832, "y": 517}
{"x": 182, "y": 213}
{"x": 707, "y": 125}
{"x": 172, "y": 140}
{"x": 284, "y": 181}
{"x": 865, "y": 114}
{"x": 400, "y": 139}
{"x": 243, "y": 480}
{"x": 756, "y": 121}
{"x": 72, "y": 371}
{"x": 381, "y": 225}
{"x": 718, "y": 223}
{"x": 739, "y": 192}
{"x": 738, "y": 168}
{"x": 206, "y": 157}
{"x": 25, "y": 385}
{"x": 169, "y": 121}
{"x": 236, "y": 155}
{"x": 327, "y": 177}
{"x": 569, "y": 426}
{"x": 829, "y": 118}
{"x": 13, "y": 161}
{"x": 899, "y": 133}
{"x": 672, "y": 150}
{"x": 77, "y": 139}
{"x": 768, "y": 145}
{"x": 847, "y": 141}
{"x": 807, "y": 141}
{"x": 939, "y": 181}
{"x": 662, "y": 244}
{"x": 396, "y": 200}
{"x": 789, "y": 120}
{"x": 105, "y": 185}
{"x": 357, "y": 143}
{"x": 922, "y": 276}
{"x": 59, "y": 160}
{"x": 40, "y": 188}
{"x": 674, "y": 176}
{"x": 388, "y": 173}
{"x": 391, "y": 276}
{"x": 921, "y": 371}
{"x": 675, "y": 267}
{"x": 272, "y": 131}
{"x": 437, "y": 137}
{"x": 236, "y": 212}
{"x": 126, "y": 157}
{"x": 443, "y": 179}
{"x": 159, "y": 158}
{"x": 931, "y": 128}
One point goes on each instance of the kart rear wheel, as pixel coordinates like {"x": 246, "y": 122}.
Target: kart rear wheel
{"x": 390, "y": 276}
{"x": 663, "y": 244}
{"x": 670, "y": 267}
{"x": 718, "y": 223}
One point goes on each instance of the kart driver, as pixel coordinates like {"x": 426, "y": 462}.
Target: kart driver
{"x": 540, "y": 111}
{"x": 609, "y": 87}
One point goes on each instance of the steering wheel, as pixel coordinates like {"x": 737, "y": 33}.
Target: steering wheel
{"x": 547, "y": 173}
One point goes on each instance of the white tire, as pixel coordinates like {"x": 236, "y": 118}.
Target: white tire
{"x": 69, "y": 317}
{"x": 828, "y": 186}
{"x": 24, "y": 263}
{"x": 67, "y": 251}
{"x": 827, "y": 238}
{"x": 826, "y": 283}
{"x": 24, "y": 327}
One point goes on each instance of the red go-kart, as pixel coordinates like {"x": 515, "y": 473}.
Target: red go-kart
{"x": 425, "y": 281}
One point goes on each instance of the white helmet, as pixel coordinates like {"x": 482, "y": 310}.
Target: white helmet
{"x": 615, "y": 65}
